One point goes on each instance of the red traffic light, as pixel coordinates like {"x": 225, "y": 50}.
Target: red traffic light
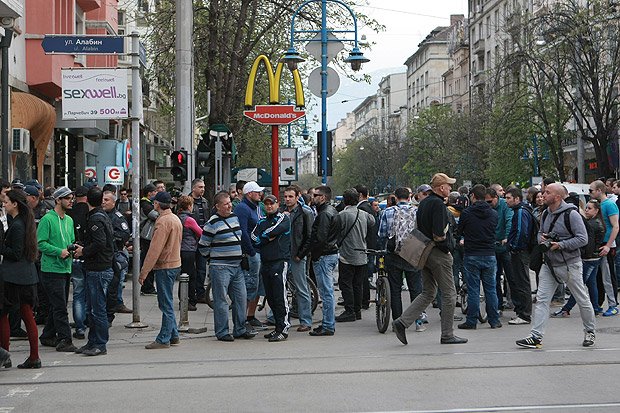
{"x": 180, "y": 157}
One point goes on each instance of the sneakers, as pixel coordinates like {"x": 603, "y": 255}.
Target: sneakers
{"x": 79, "y": 334}
{"x": 30, "y": 364}
{"x": 588, "y": 339}
{"x": 466, "y": 326}
{"x": 611, "y": 311}
{"x": 248, "y": 335}
{"x": 320, "y": 331}
{"x": 278, "y": 337}
{"x": 419, "y": 326}
{"x": 424, "y": 317}
{"x": 345, "y": 317}
{"x": 529, "y": 342}
{"x": 66, "y": 346}
{"x": 517, "y": 321}
{"x": 149, "y": 293}
{"x": 256, "y": 323}
{"x": 560, "y": 314}
{"x": 95, "y": 352}
{"x": 153, "y": 346}
{"x": 122, "y": 308}
{"x": 175, "y": 341}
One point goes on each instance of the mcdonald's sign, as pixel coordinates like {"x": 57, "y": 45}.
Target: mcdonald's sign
{"x": 273, "y": 113}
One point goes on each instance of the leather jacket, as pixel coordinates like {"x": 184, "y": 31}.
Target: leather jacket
{"x": 324, "y": 232}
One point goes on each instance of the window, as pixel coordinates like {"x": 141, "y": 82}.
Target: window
{"x": 488, "y": 26}
{"x": 480, "y": 31}
{"x": 121, "y": 18}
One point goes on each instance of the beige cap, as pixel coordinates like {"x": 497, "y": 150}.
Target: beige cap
{"x": 440, "y": 179}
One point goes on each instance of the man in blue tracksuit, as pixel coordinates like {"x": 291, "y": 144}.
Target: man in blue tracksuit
{"x": 273, "y": 235}
{"x": 518, "y": 241}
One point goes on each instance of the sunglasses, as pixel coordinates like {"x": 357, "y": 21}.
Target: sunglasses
{"x": 315, "y": 195}
{"x": 489, "y": 202}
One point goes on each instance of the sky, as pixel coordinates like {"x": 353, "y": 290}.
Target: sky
{"x": 407, "y": 23}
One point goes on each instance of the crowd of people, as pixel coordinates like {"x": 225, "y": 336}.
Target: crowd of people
{"x": 251, "y": 244}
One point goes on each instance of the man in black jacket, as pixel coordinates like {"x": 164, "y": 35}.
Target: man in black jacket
{"x": 301, "y": 229}
{"x": 122, "y": 233}
{"x": 324, "y": 254}
{"x": 477, "y": 227}
{"x": 432, "y": 221}
{"x": 98, "y": 252}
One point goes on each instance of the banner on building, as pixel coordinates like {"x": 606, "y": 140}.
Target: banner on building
{"x": 94, "y": 94}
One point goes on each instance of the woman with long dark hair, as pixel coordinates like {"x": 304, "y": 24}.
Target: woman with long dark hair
{"x": 19, "y": 273}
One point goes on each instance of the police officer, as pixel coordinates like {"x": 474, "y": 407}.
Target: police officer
{"x": 122, "y": 234}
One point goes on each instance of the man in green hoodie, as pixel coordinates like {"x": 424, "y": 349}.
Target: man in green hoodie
{"x": 504, "y": 223}
{"x": 54, "y": 235}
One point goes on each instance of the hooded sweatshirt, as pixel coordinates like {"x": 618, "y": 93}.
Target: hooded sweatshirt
{"x": 569, "y": 252}
{"x": 477, "y": 227}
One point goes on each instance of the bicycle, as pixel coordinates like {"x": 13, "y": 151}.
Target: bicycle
{"x": 383, "y": 300}
{"x": 482, "y": 315}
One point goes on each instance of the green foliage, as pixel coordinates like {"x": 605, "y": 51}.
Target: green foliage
{"x": 440, "y": 140}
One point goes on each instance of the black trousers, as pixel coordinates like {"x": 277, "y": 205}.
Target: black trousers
{"x": 274, "y": 275}
{"x": 149, "y": 282}
{"x": 395, "y": 267}
{"x": 351, "y": 282}
{"x": 520, "y": 286}
{"x": 57, "y": 290}
{"x": 188, "y": 266}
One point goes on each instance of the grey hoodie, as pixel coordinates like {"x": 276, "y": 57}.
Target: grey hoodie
{"x": 569, "y": 245}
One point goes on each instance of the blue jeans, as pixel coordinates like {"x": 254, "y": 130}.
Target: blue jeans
{"x": 164, "y": 280}
{"x": 481, "y": 268}
{"x": 121, "y": 285}
{"x": 590, "y": 268}
{"x": 79, "y": 295}
{"x": 252, "y": 277}
{"x": 97, "y": 283}
{"x": 324, "y": 272}
{"x": 228, "y": 280}
{"x": 304, "y": 300}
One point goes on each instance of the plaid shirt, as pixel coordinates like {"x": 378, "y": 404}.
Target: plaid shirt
{"x": 387, "y": 220}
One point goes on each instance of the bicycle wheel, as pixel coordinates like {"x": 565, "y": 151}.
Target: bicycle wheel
{"x": 463, "y": 295}
{"x": 482, "y": 315}
{"x": 208, "y": 295}
{"x": 314, "y": 294}
{"x": 383, "y": 303}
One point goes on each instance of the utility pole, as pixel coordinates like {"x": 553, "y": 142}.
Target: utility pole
{"x": 184, "y": 96}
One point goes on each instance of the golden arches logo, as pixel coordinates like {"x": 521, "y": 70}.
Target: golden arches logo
{"x": 274, "y": 79}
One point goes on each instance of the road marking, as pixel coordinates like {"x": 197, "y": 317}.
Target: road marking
{"x": 6, "y": 409}
{"x": 18, "y": 391}
{"x": 36, "y": 376}
{"x": 518, "y": 408}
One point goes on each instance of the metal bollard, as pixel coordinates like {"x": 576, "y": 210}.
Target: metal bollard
{"x": 184, "y": 289}
{"x": 184, "y": 313}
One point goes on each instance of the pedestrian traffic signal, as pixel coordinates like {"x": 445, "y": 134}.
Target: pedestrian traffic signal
{"x": 203, "y": 155}
{"x": 179, "y": 165}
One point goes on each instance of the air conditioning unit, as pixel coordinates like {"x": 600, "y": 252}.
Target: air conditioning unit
{"x": 21, "y": 140}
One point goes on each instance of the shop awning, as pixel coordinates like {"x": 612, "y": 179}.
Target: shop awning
{"x": 39, "y": 117}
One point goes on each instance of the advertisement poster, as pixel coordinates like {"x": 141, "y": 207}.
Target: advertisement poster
{"x": 288, "y": 164}
{"x": 94, "y": 94}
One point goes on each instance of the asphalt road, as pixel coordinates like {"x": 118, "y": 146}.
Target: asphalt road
{"x": 358, "y": 369}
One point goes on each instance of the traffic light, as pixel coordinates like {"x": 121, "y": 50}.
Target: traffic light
{"x": 203, "y": 153}
{"x": 179, "y": 165}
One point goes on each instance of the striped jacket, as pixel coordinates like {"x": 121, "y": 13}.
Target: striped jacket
{"x": 221, "y": 240}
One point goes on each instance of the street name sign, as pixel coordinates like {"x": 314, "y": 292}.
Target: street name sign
{"x": 83, "y": 44}
{"x": 274, "y": 114}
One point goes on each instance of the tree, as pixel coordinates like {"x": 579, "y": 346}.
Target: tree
{"x": 443, "y": 141}
{"x": 580, "y": 55}
{"x": 228, "y": 36}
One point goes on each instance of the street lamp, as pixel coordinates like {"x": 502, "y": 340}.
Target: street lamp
{"x": 355, "y": 59}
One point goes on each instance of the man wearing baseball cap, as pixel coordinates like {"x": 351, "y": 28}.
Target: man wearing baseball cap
{"x": 433, "y": 222}
{"x": 273, "y": 235}
{"x": 164, "y": 258}
{"x": 422, "y": 192}
{"x": 247, "y": 213}
{"x": 54, "y": 235}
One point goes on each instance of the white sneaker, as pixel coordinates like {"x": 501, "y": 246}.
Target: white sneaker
{"x": 419, "y": 326}
{"x": 518, "y": 321}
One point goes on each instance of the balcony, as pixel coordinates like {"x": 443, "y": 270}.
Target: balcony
{"x": 479, "y": 78}
{"x": 479, "y": 47}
